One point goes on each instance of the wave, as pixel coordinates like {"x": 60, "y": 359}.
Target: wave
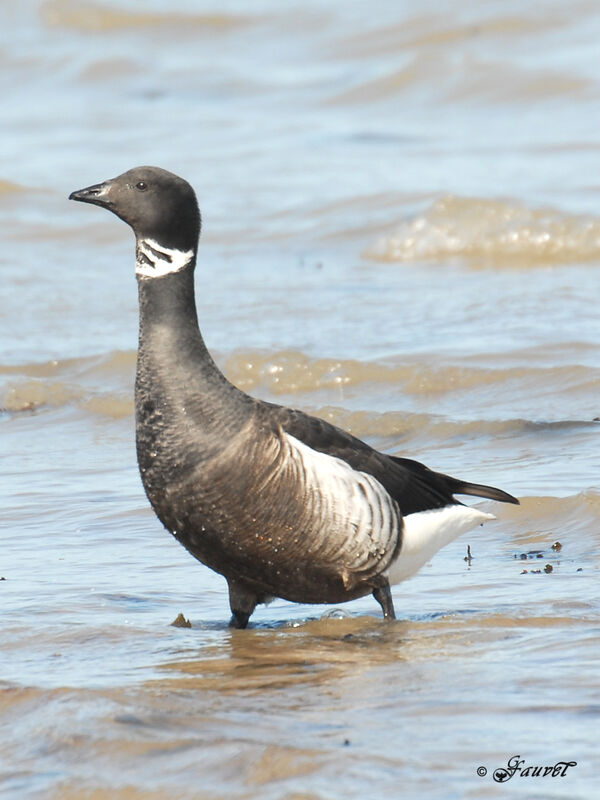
{"x": 9, "y": 187}
{"x": 291, "y": 371}
{"x": 103, "y": 385}
{"x": 98, "y": 384}
{"x": 436, "y": 427}
{"x": 92, "y": 18}
{"x": 486, "y": 81}
{"x": 571, "y": 520}
{"x": 33, "y": 395}
{"x": 490, "y": 232}
{"x": 36, "y": 395}
{"x": 437, "y": 30}
{"x": 419, "y": 53}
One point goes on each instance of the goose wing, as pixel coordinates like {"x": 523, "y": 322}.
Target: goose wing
{"x": 411, "y": 484}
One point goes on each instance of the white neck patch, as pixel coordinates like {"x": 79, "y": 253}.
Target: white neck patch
{"x": 153, "y": 260}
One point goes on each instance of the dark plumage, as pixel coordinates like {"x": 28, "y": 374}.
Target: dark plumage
{"x": 281, "y": 503}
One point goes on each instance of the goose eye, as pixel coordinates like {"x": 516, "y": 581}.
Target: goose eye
{"x": 141, "y": 185}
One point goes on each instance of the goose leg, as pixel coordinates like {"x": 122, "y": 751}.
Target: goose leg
{"x": 242, "y": 602}
{"x": 383, "y": 595}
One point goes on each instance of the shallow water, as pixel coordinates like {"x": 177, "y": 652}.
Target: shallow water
{"x": 401, "y": 234}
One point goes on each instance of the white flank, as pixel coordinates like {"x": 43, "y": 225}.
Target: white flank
{"x": 355, "y": 521}
{"x": 163, "y": 260}
{"x": 334, "y": 476}
{"x": 426, "y": 532}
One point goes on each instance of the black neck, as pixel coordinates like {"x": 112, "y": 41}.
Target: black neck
{"x": 175, "y": 371}
{"x": 168, "y": 311}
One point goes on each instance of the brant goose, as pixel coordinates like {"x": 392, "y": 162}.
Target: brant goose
{"x": 280, "y": 503}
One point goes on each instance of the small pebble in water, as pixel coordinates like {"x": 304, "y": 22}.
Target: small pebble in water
{"x": 181, "y": 622}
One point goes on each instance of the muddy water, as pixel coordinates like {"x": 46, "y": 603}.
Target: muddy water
{"x": 401, "y": 234}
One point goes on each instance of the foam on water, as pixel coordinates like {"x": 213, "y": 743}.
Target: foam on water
{"x": 484, "y": 232}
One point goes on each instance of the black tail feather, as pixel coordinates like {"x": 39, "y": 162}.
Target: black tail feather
{"x": 481, "y": 490}
{"x": 444, "y": 486}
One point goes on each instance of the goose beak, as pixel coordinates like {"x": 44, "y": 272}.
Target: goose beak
{"x": 98, "y": 195}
